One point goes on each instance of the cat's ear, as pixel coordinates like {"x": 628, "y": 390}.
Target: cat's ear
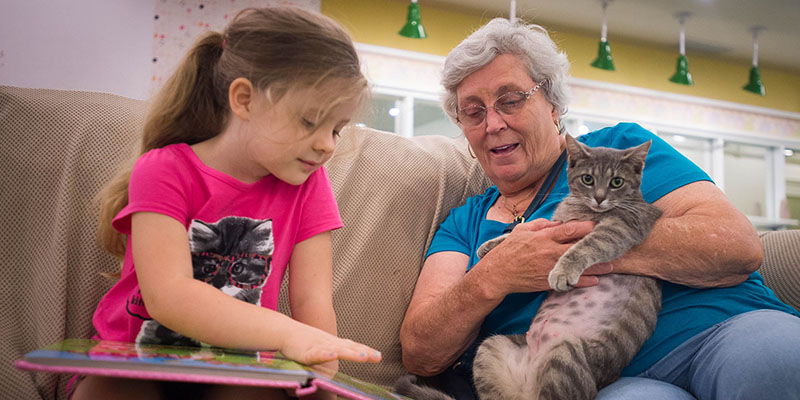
{"x": 201, "y": 232}
{"x": 575, "y": 150}
{"x": 637, "y": 155}
{"x": 263, "y": 230}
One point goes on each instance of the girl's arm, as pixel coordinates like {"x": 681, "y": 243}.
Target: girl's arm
{"x": 200, "y": 311}
{"x": 310, "y": 291}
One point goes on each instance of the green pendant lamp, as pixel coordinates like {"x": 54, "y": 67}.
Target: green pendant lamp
{"x": 682, "y": 75}
{"x": 413, "y": 27}
{"x": 755, "y": 85}
{"x": 603, "y": 60}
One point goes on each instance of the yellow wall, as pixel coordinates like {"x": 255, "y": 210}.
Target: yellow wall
{"x": 378, "y": 21}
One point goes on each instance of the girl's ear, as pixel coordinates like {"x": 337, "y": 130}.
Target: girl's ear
{"x": 240, "y": 97}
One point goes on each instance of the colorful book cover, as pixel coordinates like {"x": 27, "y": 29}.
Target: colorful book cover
{"x": 195, "y": 364}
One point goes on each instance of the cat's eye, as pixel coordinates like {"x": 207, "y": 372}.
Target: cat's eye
{"x": 210, "y": 269}
{"x": 587, "y": 180}
{"x": 616, "y": 182}
{"x": 237, "y": 268}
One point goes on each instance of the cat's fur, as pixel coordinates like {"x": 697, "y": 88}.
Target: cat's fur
{"x": 580, "y": 340}
{"x": 228, "y": 237}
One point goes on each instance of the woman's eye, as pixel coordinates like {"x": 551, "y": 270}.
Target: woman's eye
{"x": 617, "y": 182}
{"x": 308, "y": 124}
{"x": 336, "y": 133}
{"x": 472, "y": 111}
{"x": 587, "y": 180}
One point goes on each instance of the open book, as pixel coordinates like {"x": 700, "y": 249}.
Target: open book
{"x": 195, "y": 364}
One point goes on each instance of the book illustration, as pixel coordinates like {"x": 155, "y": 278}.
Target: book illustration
{"x": 195, "y": 364}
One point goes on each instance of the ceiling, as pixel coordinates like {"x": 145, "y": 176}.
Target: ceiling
{"x": 718, "y": 28}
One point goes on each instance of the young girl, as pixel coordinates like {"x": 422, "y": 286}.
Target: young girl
{"x": 229, "y": 189}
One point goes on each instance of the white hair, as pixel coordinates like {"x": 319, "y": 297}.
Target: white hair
{"x": 546, "y": 64}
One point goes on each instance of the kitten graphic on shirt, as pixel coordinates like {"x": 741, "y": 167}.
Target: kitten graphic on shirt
{"x": 232, "y": 255}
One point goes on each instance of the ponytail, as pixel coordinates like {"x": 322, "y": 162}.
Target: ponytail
{"x": 189, "y": 108}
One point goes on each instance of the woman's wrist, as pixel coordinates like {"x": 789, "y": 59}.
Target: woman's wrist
{"x": 486, "y": 284}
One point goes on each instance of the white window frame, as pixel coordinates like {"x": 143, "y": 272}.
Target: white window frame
{"x": 408, "y": 90}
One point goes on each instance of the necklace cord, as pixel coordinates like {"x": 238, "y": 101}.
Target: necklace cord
{"x": 541, "y": 194}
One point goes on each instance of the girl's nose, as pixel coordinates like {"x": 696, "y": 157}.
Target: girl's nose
{"x": 325, "y": 141}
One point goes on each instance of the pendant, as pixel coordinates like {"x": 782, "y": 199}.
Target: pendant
{"x": 519, "y": 219}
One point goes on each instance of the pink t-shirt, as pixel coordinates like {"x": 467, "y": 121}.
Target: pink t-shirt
{"x": 241, "y": 235}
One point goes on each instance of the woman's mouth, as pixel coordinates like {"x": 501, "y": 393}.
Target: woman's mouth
{"x": 500, "y": 150}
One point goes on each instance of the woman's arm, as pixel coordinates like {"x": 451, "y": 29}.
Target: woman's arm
{"x": 198, "y": 310}
{"x": 449, "y": 305}
{"x": 701, "y": 240}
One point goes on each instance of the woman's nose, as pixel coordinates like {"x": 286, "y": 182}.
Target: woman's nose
{"x": 494, "y": 121}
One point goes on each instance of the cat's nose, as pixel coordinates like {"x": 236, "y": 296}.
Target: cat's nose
{"x": 599, "y": 198}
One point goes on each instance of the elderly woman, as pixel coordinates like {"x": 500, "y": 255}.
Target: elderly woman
{"x": 721, "y": 332}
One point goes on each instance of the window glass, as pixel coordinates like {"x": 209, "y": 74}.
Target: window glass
{"x": 746, "y": 177}
{"x": 430, "y": 119}
{"x": 591, "y": 126}
{"x": 382, "y": 113}
{"x": 791, "y": 208}
{"x": 696, "y": 149}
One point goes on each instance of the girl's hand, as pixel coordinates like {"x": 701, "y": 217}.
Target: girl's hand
{"x": 313, "y": 346}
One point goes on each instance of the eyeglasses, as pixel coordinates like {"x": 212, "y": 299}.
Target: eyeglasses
{"x": 507, "y": 104}
{"x": 245, "y": 270}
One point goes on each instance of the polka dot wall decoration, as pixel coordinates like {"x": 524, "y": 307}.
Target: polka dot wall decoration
{"x": 178, "y": 23}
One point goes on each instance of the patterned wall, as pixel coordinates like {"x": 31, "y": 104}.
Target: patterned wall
{"x": 666, "y": 110}
{"x": 177, "y": 23}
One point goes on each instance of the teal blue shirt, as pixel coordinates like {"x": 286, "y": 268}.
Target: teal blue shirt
{"x": 685, "y": 311}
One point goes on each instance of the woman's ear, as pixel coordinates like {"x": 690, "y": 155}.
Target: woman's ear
{"x": 240, "y": 97}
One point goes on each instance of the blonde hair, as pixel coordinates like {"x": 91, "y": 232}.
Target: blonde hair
{"x": 279, "y": 49}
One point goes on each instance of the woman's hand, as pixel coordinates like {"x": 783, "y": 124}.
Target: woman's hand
{"x": 522, "y": 262}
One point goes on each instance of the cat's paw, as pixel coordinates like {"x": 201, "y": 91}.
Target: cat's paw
{"x": 561, "y": 280}
{"x": 490, "y": 244}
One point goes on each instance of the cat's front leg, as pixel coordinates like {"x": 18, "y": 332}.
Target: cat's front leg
{"x": 566, "y": 273}
{"x": 490, "y": 244}
{"x": 599, "y": 246}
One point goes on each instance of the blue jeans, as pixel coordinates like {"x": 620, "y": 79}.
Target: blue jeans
{"x": 755, "y": 355}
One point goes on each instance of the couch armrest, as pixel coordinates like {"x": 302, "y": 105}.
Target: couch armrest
{"x": 781, "y": 268}
{"x": 59, "y": 148}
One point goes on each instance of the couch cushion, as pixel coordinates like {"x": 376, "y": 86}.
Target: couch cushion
{"x": 393, "y": 193}
{"x": 59, "y": 148}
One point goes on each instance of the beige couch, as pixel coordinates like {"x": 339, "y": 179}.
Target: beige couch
{"x": 59, "y": 147}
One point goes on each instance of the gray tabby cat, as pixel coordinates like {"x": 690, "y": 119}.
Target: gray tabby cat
{"x": 580, "y": 340}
